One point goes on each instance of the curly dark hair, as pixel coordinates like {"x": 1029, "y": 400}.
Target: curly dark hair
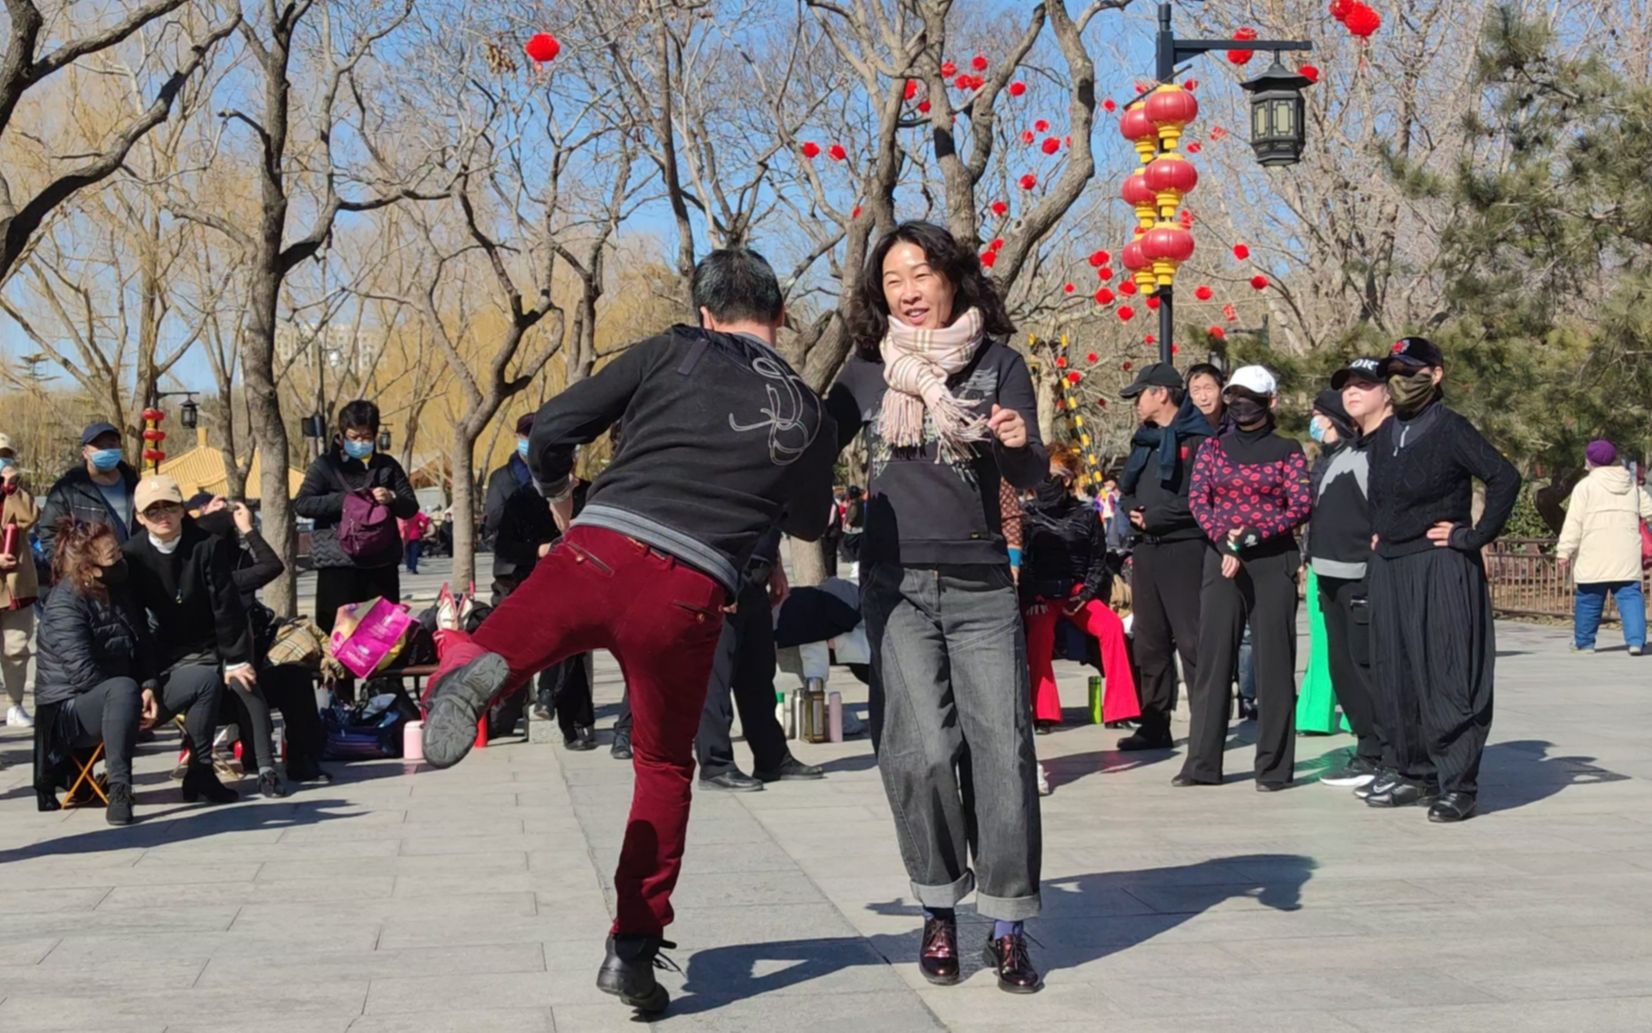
{"x": 869, "y": 311}
{"x": 74, "y": 556}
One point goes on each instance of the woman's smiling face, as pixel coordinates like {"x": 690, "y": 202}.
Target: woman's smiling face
{"x": 916, "y": 294}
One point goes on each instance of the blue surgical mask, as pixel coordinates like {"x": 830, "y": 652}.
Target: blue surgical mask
{"x": 1316, "y": 430}
{"x": 7, "y": 461}
{"x": 106, "y": 459}
{"x": 358, "y": 449}
{"x": 522, "y": 448}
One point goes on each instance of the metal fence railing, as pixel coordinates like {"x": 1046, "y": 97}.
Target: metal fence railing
{"x": 1526, "y": 580}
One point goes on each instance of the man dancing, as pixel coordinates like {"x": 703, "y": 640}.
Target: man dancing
{"x": 723, "y": 440}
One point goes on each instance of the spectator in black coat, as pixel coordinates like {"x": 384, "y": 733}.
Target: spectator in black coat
{"x": 518, "y": 520}
{"x": 95, "y": 673}
{"x": 98, "y": 491}
{"x": 183, "y": 577}
{"x": 350, "y": 466}
{"x": 289, "y": 688}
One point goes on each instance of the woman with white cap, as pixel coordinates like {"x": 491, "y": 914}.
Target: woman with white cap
{"x": 1249, "y": 491}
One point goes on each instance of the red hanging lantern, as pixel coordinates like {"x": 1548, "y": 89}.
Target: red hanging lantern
{"x": 154, "y": 455}
{"x": 1029, "y": 181}
{"x": 1170, "y": 108}
{"x": 1190, "y": 85}
{"x": 988, "y": 258}
{"x": 1017, "y": 88}
{"x": 1105, "y": 297}
{"x": 1260, "y": 282}
{"x": 1028, "y": 136}
{"x": 854, "y": 213}
{"x": 978, "y": 62}
{"x": 1132, "y": 256}
{"x": 1153, "y": 301}
{"x": 811, "y": 150}
{"x": 1069, "y": 288}
{"x": 1340, "y": 9}
{"x": 1105, "y": 273}
{"x": 1099, "y": 259}
{"x": 1128, "y": 287}
{"x": 1109, "y": 105}
{"x": 1061, "y": 362}
{"x": 1309, "y": 72}
{"x": 1041, "y": 126}
{"x": 1167, "y": 246}
{"x": 1126, "y": 313}
{"x": 1241, "y": 252}
{"x": 1000, "y": 207}
{"x": 1362, "y": 21}
{"x": 1242, "y": 57}
{"x": 837, "y": 152}
{"x": 1194, "y": 147}
{"x": 1203, "y": 293}
{"x": 154, "y": 415}
{"x": 1051, "y": 145}
{"x": 1074, "y": 377}
{"x": 948, "y": 69}
{"x": 1139, "y": 196}
{"x": 923, "y": 107}
{"x": 1218, "y": 333}
{"x": 1229, "y": 313}
{"x": 1171, "y": 178}
{"x": 997, "y": 244}
{"x": 1136, "y": 127}
{"x": 1091, "y": 358}
{"x": 542, "y": 47}
{"x": 154, "y": 435}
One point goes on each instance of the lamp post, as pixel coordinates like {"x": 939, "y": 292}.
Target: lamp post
{"x": 1278, "y": 133}
{"x": 189, "y": 417}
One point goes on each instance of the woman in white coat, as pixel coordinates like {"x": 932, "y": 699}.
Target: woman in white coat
{"x": 1600, "y": 544}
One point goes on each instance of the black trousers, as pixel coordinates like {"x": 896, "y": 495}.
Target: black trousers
{"x": 291, "y": 690}
{"x": 1346, "y": 606}
{"x": 336, "y": 586}
{"x": 1164, "y": 591}
{"x": 1263, "y": 593}
{"x": 743, "y": 669}
{"x": 250, "y": 711}
{"x": 566, "y": 688}
{"x": 1434, "y": 651}
{"x": 194, "y": 690}
{"x": 108, "y": 712}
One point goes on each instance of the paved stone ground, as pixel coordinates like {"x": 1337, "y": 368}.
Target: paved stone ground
{"x": 475, "y": 899}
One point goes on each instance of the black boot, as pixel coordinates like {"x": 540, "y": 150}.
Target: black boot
{"x": 584, "y": 738}
{"x": 119, "y": 811}
{"x": 45, "y": 799}
{"x": 305, "y": 769}
{"x": 202, "y": 781}
{"x": 269, "y": 785}
{"x": 628, "y": 972}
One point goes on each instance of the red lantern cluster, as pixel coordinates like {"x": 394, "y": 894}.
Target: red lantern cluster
{"x": 153, "y": 436}
{"x": 1360, "y": 20}
{"x": 1242, "y": 57}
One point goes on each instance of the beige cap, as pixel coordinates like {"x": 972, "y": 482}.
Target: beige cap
{"x": 5, "y": 444}
{"x": 157, "y": 487}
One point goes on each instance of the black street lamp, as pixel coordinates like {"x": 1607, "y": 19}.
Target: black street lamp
{"x": 1278, "y": 130}
{"x": 384, "y": 440}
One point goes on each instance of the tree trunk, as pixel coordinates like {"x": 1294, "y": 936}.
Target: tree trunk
{"x": 269, "y": 430}
{"x": 807, "y": 564}
{"x": 464, "y": 503}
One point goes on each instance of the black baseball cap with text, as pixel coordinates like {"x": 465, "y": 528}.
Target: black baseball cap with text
{"x": 1359, "y": 369}
{"x": 1159, "y": 374}
{"x": 1410, "y": 354}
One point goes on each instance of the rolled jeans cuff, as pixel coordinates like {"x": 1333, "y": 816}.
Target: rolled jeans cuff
{"x": 950, "y": 895}
{"x": 1008, "y": 909}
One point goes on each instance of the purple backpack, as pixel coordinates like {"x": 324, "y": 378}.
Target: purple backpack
{"x": 367, "y": 532}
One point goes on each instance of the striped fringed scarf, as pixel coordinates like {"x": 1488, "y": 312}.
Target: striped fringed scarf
{"x": 916, "y": 365}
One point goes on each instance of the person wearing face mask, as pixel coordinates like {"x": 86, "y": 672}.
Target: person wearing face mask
{"x": 352, "y": 466}
{"x": 948, "y": 411}
{"x": 1065, "y": 576}
{"x": 516, "y": 517}
{"x": 185, "y": 579}
{"x": 19, "y": 584}
{"x": 1432, "y": 634}
{"x": 97, "y": 491}
{"x": 1339, "y": 552}
{"x": 1249, "y": 491}
{"x": 1168, "y": 548}
{"x": 96, "y": 677}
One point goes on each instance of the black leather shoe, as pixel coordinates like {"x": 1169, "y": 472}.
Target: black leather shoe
{"x": 583, "y": 739}
{"x": 1404, "y": 793}
{"x": 270, "y": 787}
{"x": 621, "y": 750}
{"x": 938, "y": 960}
{"x": 1143, "y": 740}
{"x": 1271, "y": 787}
{"x": 628, "y": 972}
{"x": 1381, "y": 784}
{"x": 1453, "y": 807}
{"x": 203, "y": 782}
{"x": 734, "y": 780}
{"x": 119, "y": 811}
{"x": 303, "y": 769}
{"x": 792, "y": 770}
{"x": 1183, "y": 781}
{"x": 1009, "y": 958}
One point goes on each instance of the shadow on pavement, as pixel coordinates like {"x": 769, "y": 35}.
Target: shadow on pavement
{"x": 181, "y": 823}
{"x": 1521, "y": 772}
{"x": 1075, "y": 934}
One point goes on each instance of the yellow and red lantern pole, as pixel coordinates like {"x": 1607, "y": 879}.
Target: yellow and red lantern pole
{"x": 153, "y": 435}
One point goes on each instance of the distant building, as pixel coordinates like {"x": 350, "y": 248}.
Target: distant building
{"x": 346, "y": 348}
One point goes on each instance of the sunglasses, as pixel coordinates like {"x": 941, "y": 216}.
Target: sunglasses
{"x": 161, "y": 509}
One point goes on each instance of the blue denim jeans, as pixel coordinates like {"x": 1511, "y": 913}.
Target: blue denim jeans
{"x": 1591, "y": 600}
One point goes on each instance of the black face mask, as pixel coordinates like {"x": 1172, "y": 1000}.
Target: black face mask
{"x": 1248, "y": 413}
{"x": 1052, "y": 490}
{"x": 115, "y": 576}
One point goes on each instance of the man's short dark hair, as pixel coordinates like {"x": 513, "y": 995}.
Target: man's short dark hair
{"x": 359, "y": 415}
{"x": 1206, "y": 369}
{"x": 737, "y": 285}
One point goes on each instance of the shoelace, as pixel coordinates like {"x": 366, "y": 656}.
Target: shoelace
{"x": 936, "y": 936}
{"x": 664, "y": 963}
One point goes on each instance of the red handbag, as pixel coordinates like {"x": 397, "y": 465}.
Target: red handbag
{"x": 1646, "y": 546}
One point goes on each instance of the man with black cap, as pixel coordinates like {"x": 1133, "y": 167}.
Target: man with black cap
{"x": 1339, "y": 550}
{"x": 98, "y": 491}
{"x": 1169, "y": 547}
{"x": 1433, "y": 640}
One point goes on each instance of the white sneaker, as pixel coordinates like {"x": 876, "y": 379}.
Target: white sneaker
{"x": 1043, "y": 782}
{"x": 17, "y": 717}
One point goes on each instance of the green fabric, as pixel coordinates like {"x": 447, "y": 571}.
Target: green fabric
{"x": 1316, "y": 704}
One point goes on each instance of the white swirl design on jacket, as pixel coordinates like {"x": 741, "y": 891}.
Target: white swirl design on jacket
{"x": 787, "y": 414}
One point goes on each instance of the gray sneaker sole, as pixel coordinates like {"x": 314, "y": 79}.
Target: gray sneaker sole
{"x": 450, "y": 730}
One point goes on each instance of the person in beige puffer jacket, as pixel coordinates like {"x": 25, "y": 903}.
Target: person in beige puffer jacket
{"x": 1600, "y": 544}
{"x": 19, "y": 585}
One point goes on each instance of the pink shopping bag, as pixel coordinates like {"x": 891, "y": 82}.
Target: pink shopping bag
{"x": 368, "y": 635}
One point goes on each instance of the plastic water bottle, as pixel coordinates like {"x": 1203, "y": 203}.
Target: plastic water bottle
{"x": 413, "y": 742}
{"x": 834, "y": 716}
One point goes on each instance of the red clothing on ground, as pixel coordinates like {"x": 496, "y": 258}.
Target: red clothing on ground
{"x": 413, "y": 528}
{"x": 598, "y": 589}
{"x": 1119, "y": 702}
